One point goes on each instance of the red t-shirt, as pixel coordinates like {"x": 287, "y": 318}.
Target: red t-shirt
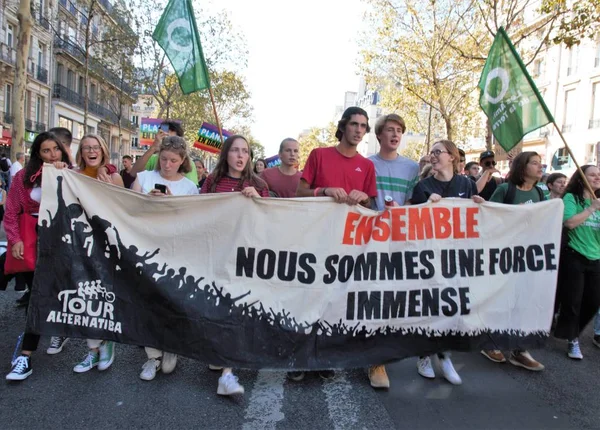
{"x": 283, "y": 185}
{"x": 326, "y": 167}
{"x": 230, "y": 185}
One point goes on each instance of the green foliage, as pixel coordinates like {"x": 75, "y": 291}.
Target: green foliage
{"x": 316, "y": 138}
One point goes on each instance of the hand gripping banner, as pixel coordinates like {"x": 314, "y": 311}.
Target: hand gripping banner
{"x": 291, "y": 283}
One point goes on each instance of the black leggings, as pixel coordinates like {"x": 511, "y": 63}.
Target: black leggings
{"x": 579, "y": 292}
{"x": 30, "y": 340}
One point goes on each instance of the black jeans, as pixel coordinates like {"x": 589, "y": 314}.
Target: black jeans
{"x": 30, "y": 340}
{"x": 579, "y": 292}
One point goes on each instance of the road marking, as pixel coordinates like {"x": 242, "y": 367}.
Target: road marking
{"x": 266, "y": 401}
{"x": 341, "y": 405}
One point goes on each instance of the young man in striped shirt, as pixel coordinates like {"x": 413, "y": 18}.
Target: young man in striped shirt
{"x": 396, "y": 177}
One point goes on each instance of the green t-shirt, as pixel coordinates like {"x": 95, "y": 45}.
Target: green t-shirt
{"x": 585, "y": 238}
{"x": 192, "y": 176}
{"x": 521, "y": 197}
{"x": 545, "y": 189}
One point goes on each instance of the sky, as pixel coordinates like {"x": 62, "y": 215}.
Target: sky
{"x": 302, "y": 59}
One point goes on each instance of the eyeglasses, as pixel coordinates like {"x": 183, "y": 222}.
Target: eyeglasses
{"x": 96, "y": 148}
{"x": 436, "y": 153}
{"x": 489, "y": 163}
{"x": 169, "y": 144}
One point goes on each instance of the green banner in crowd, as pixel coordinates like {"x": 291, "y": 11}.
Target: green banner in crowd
{"x": 509, "y": 96}
{"x": 177, "y": 35}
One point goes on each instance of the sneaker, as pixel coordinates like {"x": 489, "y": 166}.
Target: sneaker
{"x": 56, "y": 344}
{"x": 494, "y": 355}
{"x": 21, "y": 369}
{"x": 24, "y": 299}
{"x": 425, "y": 368}
{"x": 89, "y": 362}
{"x": 449, "y": 372}
{"x": 295, "y": 376}
{"x": 327, "y": 374}
{"x": 213, "y": 367}
{"x": 169, "y": 361}
{"x": 107, "y": 354}
{"x": 596, "y": 340}
{"x": 378, "y": 377}
{"x": 228, "y": 385}
{"x": 525, "y": 360}
{"x": 149, "y": 369}
{"x": 574, "y": 351}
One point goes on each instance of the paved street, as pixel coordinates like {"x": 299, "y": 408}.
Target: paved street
{"x": 492, "y": 396}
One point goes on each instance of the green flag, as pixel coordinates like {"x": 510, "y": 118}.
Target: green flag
{"x": 509, "y": 96}
{"x": 177, "y": 35}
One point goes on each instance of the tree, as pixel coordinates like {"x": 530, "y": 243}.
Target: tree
{"x": 20, "y": 87}
{"x": 583, "y": 21}
{"x": 409, "y": 53}
{"x": 316, "y": 138}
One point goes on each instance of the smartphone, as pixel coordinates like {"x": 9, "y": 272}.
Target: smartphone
{"x": 160, "y": 187}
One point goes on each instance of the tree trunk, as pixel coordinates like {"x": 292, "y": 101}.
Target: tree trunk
{"x": 488, "y": 135}
{"x": 20, "y": 87}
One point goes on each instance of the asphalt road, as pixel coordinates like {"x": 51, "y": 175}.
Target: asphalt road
{"x": 492, "y": 396}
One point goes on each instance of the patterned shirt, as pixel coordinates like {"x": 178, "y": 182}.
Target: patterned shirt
{"x": 227, "y": 184}
{"x": 19, "y": 201}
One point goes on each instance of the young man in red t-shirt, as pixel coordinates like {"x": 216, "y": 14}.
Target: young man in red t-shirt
{"x": 283, "y": 179}
{"x": 342, "y": 173}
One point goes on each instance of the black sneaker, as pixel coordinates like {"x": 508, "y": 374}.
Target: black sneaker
{"x": 596, "y": 340}
{"x": 56, "y": 344}
{"x": 327, "y": 374}
{"x": 21, "y": 369}
{"x": 23, "y": 300}
{"x": 295, "y": 376}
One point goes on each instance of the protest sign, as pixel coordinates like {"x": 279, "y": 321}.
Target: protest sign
{"x": 339, "y": 286}
{"x": 209, "y": 138}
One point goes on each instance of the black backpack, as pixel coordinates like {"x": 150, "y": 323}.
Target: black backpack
{"x": 4, "y": 165}
{"x": 509, "y": 197}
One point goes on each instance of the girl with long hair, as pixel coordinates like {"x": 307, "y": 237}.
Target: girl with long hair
{"x": 446, "y": 181}
{"x": 259, "y": 166}
{"x": 525, "y": 172}
{"x": 173, "y": 163}
{"x": 579, "y": 270}
{"x": 24, "y": 199}
{"x": 92, "y": 155}
{"x": 234, "y": 174}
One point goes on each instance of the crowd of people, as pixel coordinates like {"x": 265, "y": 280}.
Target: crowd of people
{"x": 343, "y": 174}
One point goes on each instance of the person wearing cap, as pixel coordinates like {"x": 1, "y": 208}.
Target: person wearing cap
{"x": 487, "y": 183}
{"x": 396, "y": 179}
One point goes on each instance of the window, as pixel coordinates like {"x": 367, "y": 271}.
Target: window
{"x": 72, "y": 34}
{"x": 39, "y": 109}
{"x": 569, "y": 111}
{"x": 80, "y": 131}
{"x": 538, "y": 68}
{"x": 70, "y": 79}
{"x": 59, "y": 73}
{"x": 135, "y": 119}
{"x": 595, "y": 112}
{"x": 572, "y": 60}
{"x": 81, "y": 85}
{"x": 134, "y": 141}
{"x": 66, "y": 123}
{"x": 8, "y": 92}
{"x": 91, "y": 130}
{"x": 10, "y": 35}
{"x": 31, "y": 47}
{"x": 41, "y": 55}
{"x": 93, "y": 92}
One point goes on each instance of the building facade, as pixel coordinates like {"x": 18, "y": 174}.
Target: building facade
{"x": 38, "y": 92}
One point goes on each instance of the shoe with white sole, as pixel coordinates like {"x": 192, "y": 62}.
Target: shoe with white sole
{"x": 229, "y": 385}
{"x": 425, "y": 368}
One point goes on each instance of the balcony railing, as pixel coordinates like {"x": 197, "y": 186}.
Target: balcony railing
{"x": 38, "y": 73}
{"x": 40, "y": 127}
{"x": 42, "y": 21}
{"x": 566, "y": 128}
{"x": 94, "y": 65}
{"x": 63, "y": 93}
{"x": 28, "y": 124}
{"x": 7, "y": 118}
{"x": 594, "y": 123}
{"x": 8, "y": 54}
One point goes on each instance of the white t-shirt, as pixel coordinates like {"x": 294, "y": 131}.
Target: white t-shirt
{"x": 14, "y": 168}
{"x": 182, "y": 187}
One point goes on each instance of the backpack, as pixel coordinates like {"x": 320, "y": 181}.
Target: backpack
{"x": 509, "y": 197}
{"x": 4, "y": 165}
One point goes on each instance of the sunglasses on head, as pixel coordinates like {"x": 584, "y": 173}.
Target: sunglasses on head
{"x": 174, "y": 144}
{"x": 489, "y": 163}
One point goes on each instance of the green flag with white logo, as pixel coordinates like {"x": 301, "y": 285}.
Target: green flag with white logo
{"x": 177, "y": 35}
{"x": 508, "y": 95}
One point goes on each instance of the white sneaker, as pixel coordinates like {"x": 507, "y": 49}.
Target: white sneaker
{"x": 149, "y": 369}
{"x": 425, "y": 368}
{"x": 169, "y": 361}
{"x": 448, "y": 371}
{"x": 56, "y": 344}
{"x": 228, "y": 385}
{"x": 213, "y": 367}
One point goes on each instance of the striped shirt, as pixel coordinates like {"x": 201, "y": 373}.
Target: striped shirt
{"x": 395, "y": 178}
{"x": 227, "y": 184}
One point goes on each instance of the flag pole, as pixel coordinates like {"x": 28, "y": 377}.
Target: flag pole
{"x": 214, "y": 106}
{"x": 583, "y": 177}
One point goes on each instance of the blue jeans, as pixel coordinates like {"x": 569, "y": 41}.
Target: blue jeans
{"x": 597, "y": 324}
